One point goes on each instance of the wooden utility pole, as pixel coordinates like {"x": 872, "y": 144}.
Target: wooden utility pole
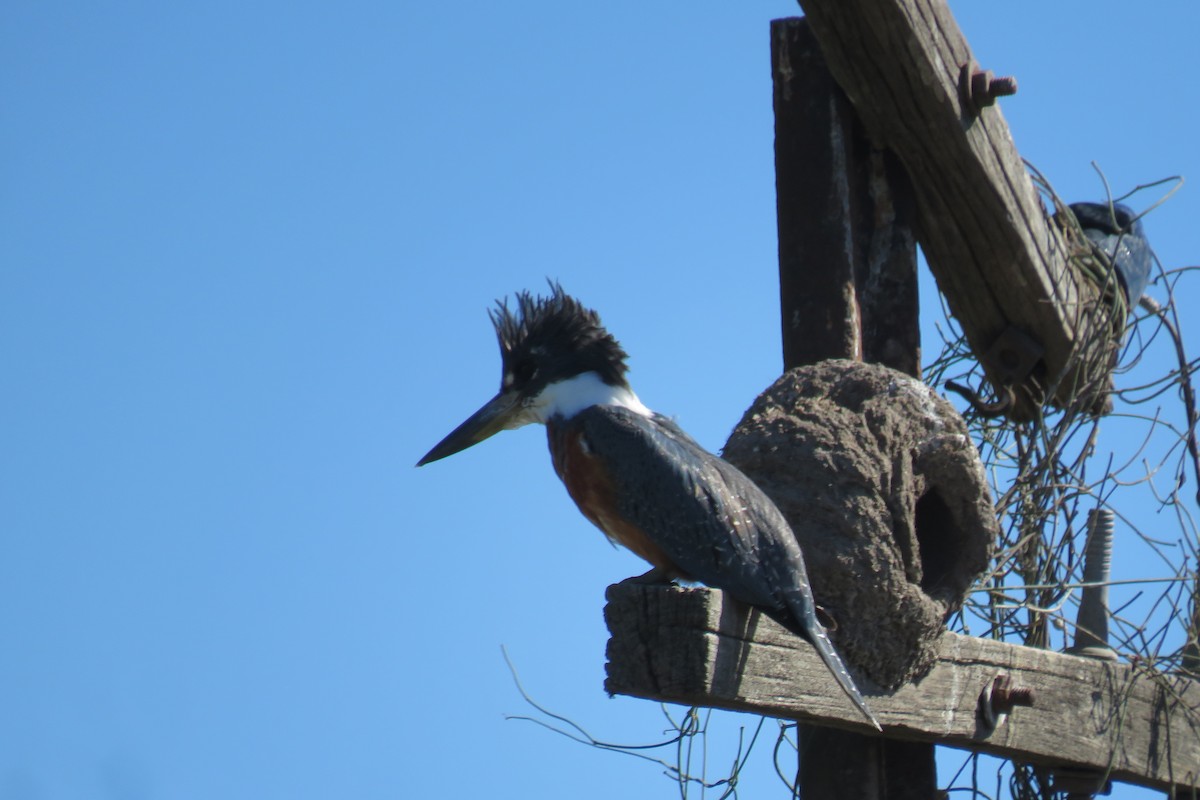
{"x": 844, "y": 210}
{"x": 848, "y": 289}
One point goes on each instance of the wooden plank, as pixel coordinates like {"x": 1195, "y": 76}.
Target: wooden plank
{"x": 981, "y": 225}
{"x": 694, "y": 647}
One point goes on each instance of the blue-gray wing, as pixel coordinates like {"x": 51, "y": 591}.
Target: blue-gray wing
{"x": 710, "y": 520}
{"x": 1120, "y": 234}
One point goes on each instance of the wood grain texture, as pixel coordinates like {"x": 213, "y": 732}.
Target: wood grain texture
{"x": 692, "y": 646}
{"x": 844, "y": 210}
{"x": 981, "y": 225}
{"x": 848, "y": 289}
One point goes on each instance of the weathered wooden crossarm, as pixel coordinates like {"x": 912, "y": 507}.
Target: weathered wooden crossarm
{"x": 980, "y": 223}
{"x": 694, "y": 647}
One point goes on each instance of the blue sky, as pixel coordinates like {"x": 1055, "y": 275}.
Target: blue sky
{"x": 246, "y": 252}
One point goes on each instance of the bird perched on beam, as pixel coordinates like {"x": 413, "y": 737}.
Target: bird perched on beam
{"x": 636, "y": 475}
{"x": 1119, "y": 233}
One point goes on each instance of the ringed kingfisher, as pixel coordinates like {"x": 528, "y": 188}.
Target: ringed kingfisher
{"x": 636, "y": 475}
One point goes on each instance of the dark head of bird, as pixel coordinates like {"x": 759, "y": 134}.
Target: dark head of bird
{"x": 556, "y": 358}
{"x": 1114, "y": 218}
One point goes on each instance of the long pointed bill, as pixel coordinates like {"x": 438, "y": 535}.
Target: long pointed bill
{"x": 495, "y": 416}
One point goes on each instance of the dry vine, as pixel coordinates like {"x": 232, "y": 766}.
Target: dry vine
{"x": 1048, "y": 473}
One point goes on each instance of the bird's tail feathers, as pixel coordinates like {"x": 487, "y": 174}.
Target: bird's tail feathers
{"x": 820, "y": 640}
{"x": 800, "y": 618}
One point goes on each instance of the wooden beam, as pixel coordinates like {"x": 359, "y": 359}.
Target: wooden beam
{"x": 692, "y": 646}
{"x": 980, "y": 222}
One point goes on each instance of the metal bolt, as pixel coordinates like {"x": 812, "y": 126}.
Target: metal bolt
{"x": 1002, "y": 87}
{"x": 1006, "y": 697}
{"x": 998, "y": 698}
{"x": 979, "y": 88}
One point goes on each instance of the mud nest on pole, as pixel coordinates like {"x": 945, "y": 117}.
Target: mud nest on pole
{"x": 887, "y": 497}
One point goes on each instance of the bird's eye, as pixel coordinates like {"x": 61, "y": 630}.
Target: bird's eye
{"x": 525, "y": 370}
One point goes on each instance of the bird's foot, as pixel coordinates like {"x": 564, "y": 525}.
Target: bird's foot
{"x": 656, "y": 576}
